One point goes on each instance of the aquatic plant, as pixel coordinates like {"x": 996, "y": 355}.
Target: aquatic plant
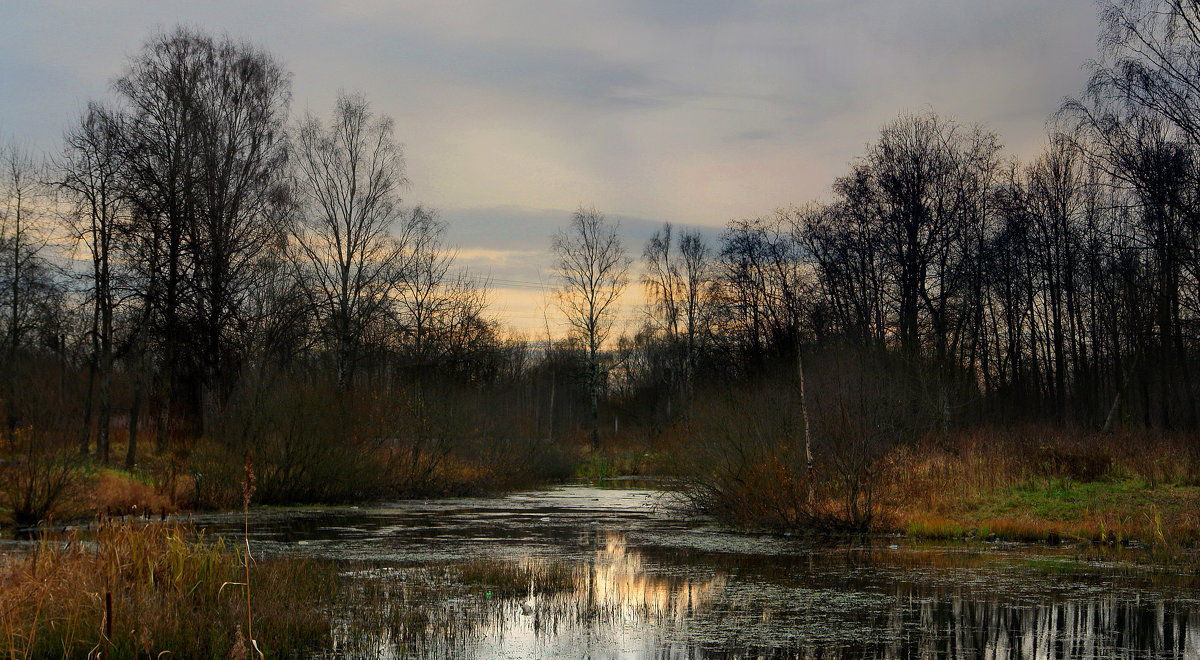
{"x": 132, "y": 589}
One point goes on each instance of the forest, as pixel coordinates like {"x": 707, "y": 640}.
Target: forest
{"x": 197, "y": 280}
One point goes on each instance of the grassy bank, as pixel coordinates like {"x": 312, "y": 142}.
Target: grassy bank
{"x": 205, "y": 475}
{"x": 1026, "y": 484}
{"x": 1045, "y": 486}
{"x": 137, "y": 590}
{"x": 127, "y": 590}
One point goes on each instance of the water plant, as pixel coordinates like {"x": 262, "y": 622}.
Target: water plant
{"x": 127, "y": 589}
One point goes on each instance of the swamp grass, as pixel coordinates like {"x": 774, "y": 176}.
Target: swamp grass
{"x": 1027, "y": 484}
{"x": 175, "y": 592}
{"x": 611, "y": 463}
{"x": 1036, "y": 485}
{"x": 171, "y": 589}
{"x": 397, "y": 611}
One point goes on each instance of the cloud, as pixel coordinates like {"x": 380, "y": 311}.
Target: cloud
{"x": 692, "y": 111}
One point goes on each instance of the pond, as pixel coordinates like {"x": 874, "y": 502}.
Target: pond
{"x": 650, "y": 583}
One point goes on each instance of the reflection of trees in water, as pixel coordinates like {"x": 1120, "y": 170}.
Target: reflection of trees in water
{"x": 619, "y": 580}
{"x": 929, "y": 625}
{"x": 932, "y": 626}
{"x": 632, "y": 604}
{"x": 619, "y": 603}
{"x": 922, "y": 625}
{"x": 928, "y": 622}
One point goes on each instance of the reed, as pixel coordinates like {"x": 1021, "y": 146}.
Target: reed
{"x": 433, "y": 610}
{"x": 131, "y": 589}
{"x": 1031, "y": 484}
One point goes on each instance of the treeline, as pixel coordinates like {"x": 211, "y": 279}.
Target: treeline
{"x": 1063, "y": 290}
{"x": 194, "y": 262}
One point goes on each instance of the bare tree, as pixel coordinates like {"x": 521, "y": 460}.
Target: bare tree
{"x": 1150, "y": 63}
{"x": 350, "y": 176}
{"x": 592, "y": 269}
{"x": 421, "y": 303}
{"x": 242, "y": 209}
{"x": 205, "y": 154}
{"x": 23, "y": 273}
{"x": 696, "y": 294}
{"x": 663, "y": 281}
{"x": 677, "y": 287}
{"x": 89, "y": 174}
{"x": 438, "y": 309}
{"x": 766, "y": 284}
{"x": 1055, "y": 195}
{"x": 161, "y": 138}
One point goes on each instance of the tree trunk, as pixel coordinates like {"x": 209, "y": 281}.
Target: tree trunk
{"x": 85, "y": 437}
{"x": 135, "y": 409}
{"x": 164, "y": 410}
{"x": 808, "y": 456}
{"x": 550, "y": 417}
{"x": 1112, "y": 414}
{"x": 595, "y": 412}
{"x": 104, "y": 421}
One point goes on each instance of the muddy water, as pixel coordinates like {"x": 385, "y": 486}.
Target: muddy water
{"x": 651, "y": 584}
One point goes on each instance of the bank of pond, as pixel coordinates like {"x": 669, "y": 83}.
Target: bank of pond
{"x": 572, "y": 571}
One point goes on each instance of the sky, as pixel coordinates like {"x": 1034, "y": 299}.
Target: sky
{"x": 513, "y": 114}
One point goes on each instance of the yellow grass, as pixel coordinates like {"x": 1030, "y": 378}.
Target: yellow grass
{"x": 167, "y": 586}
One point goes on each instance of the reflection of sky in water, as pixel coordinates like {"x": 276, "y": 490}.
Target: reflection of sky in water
{"x": 651, "y": 585}
{"x": 620, "y": 608}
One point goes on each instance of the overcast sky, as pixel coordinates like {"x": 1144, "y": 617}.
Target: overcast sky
{"x": 515, "y": 113}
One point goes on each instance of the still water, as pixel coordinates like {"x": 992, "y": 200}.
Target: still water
{"x": 652, "y": 584}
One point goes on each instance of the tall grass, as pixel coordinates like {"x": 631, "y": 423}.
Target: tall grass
{"x": 413, "y": 611}
{"x": 1026, "y": 483}
{"x": 164, "y": 583}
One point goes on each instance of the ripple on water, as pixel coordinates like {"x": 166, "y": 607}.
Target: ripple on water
{"x": 648, "y": 583}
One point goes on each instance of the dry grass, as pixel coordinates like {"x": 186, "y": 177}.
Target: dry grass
{"x": 505, "y": 579}
{"x": 1033, "y": 484}
{"x": 1044, "y": 485}
{"x": 121, "y": 493}
{"x": 168, "y": 588}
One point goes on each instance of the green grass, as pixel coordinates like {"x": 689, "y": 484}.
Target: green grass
{"x": 1066, "y": 499}
{"x": 609, "y": 465}
{"x": 935, "y": 529}
{"x": 1050, "y": 510}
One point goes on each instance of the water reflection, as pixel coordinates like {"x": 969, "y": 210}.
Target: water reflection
{"x": 621, "y": 606}
{"x": 661, "y": 587}
{"x": 955, "y": 627}
{"x": 626, "y": 603}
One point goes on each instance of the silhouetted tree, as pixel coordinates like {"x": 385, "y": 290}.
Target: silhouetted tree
{"x": 349, "y": 178}
{"x": 26, "y": 283}
{"x": 592, "y": 270}
{"x": 204, "y": 156}
{"x": 90, "y": 175}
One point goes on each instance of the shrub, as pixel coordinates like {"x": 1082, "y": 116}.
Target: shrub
{"x": 38, "y": 480}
